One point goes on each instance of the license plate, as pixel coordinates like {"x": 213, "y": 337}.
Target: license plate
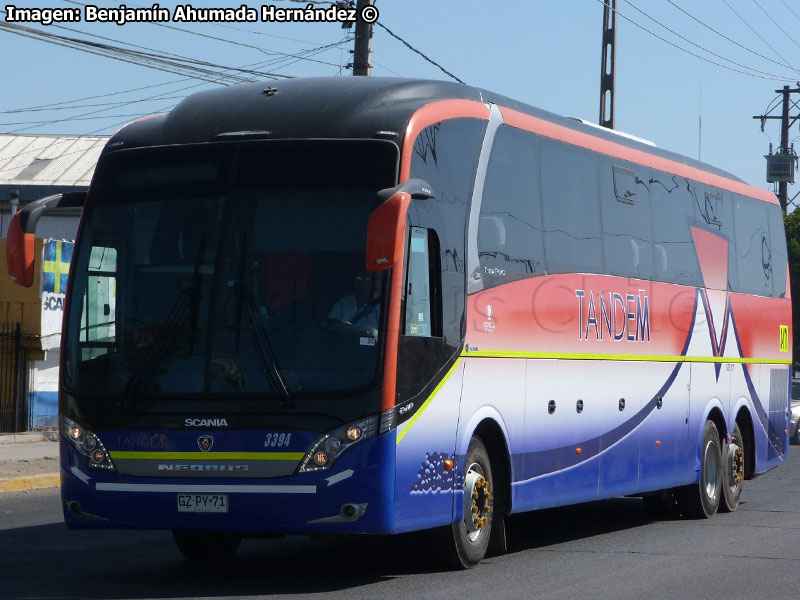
{"x": 203, "y": 503}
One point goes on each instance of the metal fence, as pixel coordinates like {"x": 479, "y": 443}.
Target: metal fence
{"x": 13, "y": 380}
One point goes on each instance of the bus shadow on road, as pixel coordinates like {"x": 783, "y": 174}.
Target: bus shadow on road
{"x": 553, "y": 526}
{"x": 51, "y": 561}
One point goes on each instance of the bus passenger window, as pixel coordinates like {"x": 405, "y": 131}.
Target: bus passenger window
{"x": 625, "y": 185}
{"x": 673, "y": 209}
{"x": 418, "y": 289}
{"x": 510, "y": 225}
{"x": 777, "y": 235}
{"x": 627, "y": 232}
{"x": 98, "y": 318}
{"x": 754, "y": 259}
{"x": 712, "y": 210}
{"x": 572, "y": 237}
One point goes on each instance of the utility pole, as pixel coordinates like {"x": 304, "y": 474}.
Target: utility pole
{"x": 607, "y": 68}
{"x": 781, "y": 165}
{"x": 362, "y": 55}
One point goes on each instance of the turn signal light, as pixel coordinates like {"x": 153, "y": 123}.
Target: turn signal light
{"x": 327, "y": 448}
{"x": 353, "y": 433}
{"x": 88, "y": 444}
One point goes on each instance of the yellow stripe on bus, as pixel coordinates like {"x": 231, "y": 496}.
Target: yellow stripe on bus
{"x": 624, "y": 357}
{"x": 428, "y": 401}
{"x": 293, "y": 456}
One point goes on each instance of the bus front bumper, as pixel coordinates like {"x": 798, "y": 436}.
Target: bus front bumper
{"x": 355, "y": 496}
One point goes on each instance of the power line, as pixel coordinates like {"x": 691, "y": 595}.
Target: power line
{"x": 410, "y": 47}
{"x": 750, "y": 27}
{"x": 166, "y": 66}
{"x": 682, "y": 49}
{"x": 790, "y": 9}
{"x": 59, "y": 105}
{"x": 226, "y": 26}
{"x": 132, "y": 115}
{"x": 769, "y": 16}
{"x": 696, "y": 45}
{"x": 76, "y": 106}
{"x": 148, "y": 58}
{"x": 219, "y": 39}
{"x": 731, "y": 40}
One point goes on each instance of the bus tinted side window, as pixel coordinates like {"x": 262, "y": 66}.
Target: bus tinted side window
{"x": 627, "y": 234}
{"x": 672, "y": 212}
{"x": 714, "y": 212}
{"x": 777, "y": 235}
{"x": 754, "y": 258}
{"x": 510, "y": 228}
{"x": 572, "y": 238}
{"x": 445, "y": 155}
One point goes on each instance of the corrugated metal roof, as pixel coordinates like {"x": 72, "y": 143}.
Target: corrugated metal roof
{"x": 49, "y": 159}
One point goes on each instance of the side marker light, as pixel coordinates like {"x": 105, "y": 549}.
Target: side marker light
{"x": 448, "y": 464}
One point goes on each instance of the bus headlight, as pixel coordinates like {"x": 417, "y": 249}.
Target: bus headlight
{"x": 87, "y": 444}
{"x": 329, "y": 446}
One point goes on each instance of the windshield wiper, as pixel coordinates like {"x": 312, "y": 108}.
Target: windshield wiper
{"x": 158, "y": 350}
{"x": 264, "y": 350}
{"x": 187, "y": 299}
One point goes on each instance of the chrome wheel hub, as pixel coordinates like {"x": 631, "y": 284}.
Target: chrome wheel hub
{"x": 710, "y": 470}
{"x": 736, "y": 464}
{"x": 477, "y": 502}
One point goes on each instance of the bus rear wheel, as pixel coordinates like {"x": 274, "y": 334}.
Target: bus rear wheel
{"x": 733, "y": 471}
{"x": 466, "y": 542}
{"x": 702, "y": 499}
{"x": 205, "y": 547}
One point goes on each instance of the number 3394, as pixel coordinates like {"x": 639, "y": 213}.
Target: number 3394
{"x": 276, "y": 440}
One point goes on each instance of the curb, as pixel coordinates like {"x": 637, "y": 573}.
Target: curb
{"x": 32, "y": 482}
{"x": 28, "y": 436}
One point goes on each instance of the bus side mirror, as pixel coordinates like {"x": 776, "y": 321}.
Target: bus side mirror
{"x": 386, "y": 233}
{"x": 387, "y": 223}
{"x": 21, "y": 230}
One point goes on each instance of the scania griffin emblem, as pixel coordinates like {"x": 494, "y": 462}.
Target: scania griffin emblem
{"x": 205, "y": 442}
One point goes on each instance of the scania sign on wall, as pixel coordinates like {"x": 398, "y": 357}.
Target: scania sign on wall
{"x": 206, "y": 422}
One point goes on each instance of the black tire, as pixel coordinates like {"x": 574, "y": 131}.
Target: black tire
{"x": 733, "y": 462}
{"x": 797, "y": 435}
{"x": 702, "y": 499}
{"x": 464, "y": 544}
{"x": 207, "y": 547}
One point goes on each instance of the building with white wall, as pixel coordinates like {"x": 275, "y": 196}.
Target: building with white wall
{"x": 32, "y": 167}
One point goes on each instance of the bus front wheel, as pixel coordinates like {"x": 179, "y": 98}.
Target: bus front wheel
{"x": 466, "y": 542}
{"x": 702, "y": 499}
{"x": 207, "y": 547}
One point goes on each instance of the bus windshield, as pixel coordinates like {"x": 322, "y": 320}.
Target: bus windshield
{"x": 228, "y": 270}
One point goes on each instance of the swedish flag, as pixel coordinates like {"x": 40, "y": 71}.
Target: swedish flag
{"x": 55, "y": 266}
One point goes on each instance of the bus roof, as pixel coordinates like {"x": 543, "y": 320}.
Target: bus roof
{"x": 332, "y": 107}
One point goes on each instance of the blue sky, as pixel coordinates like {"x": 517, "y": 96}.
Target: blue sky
{"x": 544, "y": 53}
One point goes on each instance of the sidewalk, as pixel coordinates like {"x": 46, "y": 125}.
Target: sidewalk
{"x": 28, "y": 461}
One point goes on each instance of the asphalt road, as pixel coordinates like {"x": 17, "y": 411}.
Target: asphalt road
{"x": 606, "y": 549}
